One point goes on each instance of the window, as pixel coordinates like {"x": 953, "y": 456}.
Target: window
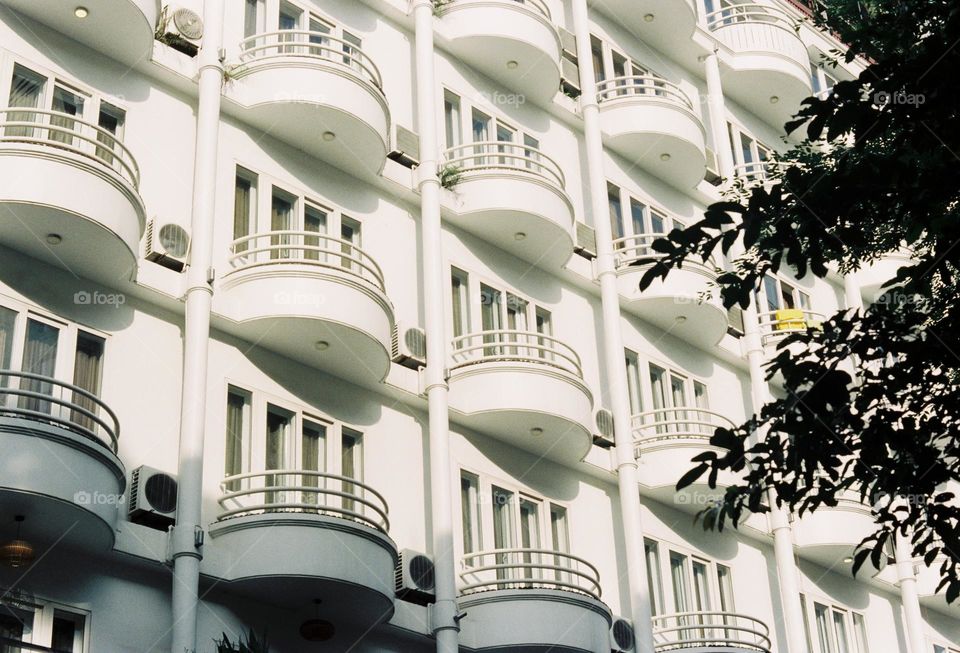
{"x": 463, "y": 123}
{"x": 70, "y": 105}
{"x": 652, "y": 554}
{"x": 41, "y": 624}
{"x": 265, "y": 433}
{"x": 253, "y": 18}
{"x": 696, "y": 584}
{"x": 470, "y": 511}
{"x": 821, "y": 81}
{"x": 516, "y": 318}
{"x": 837, "y": 629}
{"x": 313, "y": 231}
{"x": 625, "y": 75}
{"x": 779, "y": 294}
{"x": 633, "y": 382}
{"x": 637, "y": 229}
{"x": 750, "y": 156}
{"x": 451, "y": 119}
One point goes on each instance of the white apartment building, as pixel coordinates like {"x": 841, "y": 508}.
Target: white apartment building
{"x": 388, "y": 410}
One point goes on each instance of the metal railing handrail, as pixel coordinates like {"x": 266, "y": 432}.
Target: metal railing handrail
{"x": 642, "y": 86}
{"x": 636, "y": 250}
{"x": 672, "y": 423}
{"x": 682, "y": 630}
{"x": 561, "y": 571}
{"x": 538, "y": 5}
{"x": 503, "y": 155}
{"x": 328, "y": 252}
{"x": 749, "y": 13}
{"x": 117, "y": 157}
{"x": 109, "y": 432}
{"x": 307, "y": 43}
{"x": 510, "y": 345}
{"x": 373, "y": 506}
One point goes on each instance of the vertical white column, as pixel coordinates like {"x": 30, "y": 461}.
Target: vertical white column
{"x": 443, "y": 618}
{"x": 909, "y": 597}
{"x": 717, "y": 116}
{"x": 615, "y": 370}
{"x": 199, "y": 292}
{"x": 851, "y": 291}
{"x": 787, "y": 574}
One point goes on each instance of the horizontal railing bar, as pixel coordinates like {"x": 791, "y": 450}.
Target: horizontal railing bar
{"x": 280, "y": 39}
{"x": 529, "y": 156}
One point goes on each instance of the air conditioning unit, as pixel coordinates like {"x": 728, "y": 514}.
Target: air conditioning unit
{"x": 735, "y": 321}
{"x": 408, "y": 347}
{"x": 167, "y": 245}
{"x": 415, "y": 577}
{"x": 586, "y": 245}
{"x": 603, "y": 421}
{"x": 406, "y": 149}
{"x": 569, "y": 77}
{"x": 181, "y": 29}
{"x": 622, "y": 638}
{"x": 153, "y": 498}
{"x": 712, "y": 175}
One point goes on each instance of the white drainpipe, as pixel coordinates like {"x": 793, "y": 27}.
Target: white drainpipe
{"x": 615, "y": 371}
{"x": 187, "y": 534}
{"x": 443, "y": 617}
{"x": 909, "y": 596}
{"x": 717, "y": 115}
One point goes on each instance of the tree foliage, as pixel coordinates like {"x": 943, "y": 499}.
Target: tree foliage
{"x": 871, "y": 401}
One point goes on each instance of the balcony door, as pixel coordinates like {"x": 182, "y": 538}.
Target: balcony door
{"x": 521, "y": 521}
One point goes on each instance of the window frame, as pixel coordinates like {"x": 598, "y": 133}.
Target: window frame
{"x": 44, "y": 612}
{"x": 810, "y": 603}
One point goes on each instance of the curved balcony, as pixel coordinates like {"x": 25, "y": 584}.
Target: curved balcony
{"x": 512, "y": 196}
{"x": 705, "y": 632}
{"x": 315, "y": 298}
{"x": 664, "y": 24}
{"x": 269, "y": 519}
{"x": 122, "y": 29}
{"x": 59, "y": 464}
{"x": 665, "y": 441}
{"x": 683, "y": 304}
{"x": 513, "y": 42}
{"x": 651, "y": 122}
{"x": 872, "y": 276}
{"x": 778, "y": 325}
{"x": 317, "y": 92}
{"x": 832, "y": 533}
{"x": 758, "y": 173}
{"x": 768, "y": 67}
{"x": 524, "y": 388}
{"x": 69, "y": 188}
{"x": 532, "y": 600}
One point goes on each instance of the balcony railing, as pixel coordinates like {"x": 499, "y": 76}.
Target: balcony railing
{"x": 637, "y": 251}
{"x": 501, "y": 569}
{"x": 489, "y": 156}
{"x": 68, "y": 133}
{"x": 305, "y": 248}
{"x": 776, "y": 325}
{"x": 324, "y": 49}
{"x": 757, "y": 172}
{"x": 750, "y": 13}
{"x": 640, "y": 87}
{"x": 538, "y": 6}
{"x": 710, "y": 630}
{"x": 677, "y": 423}
{"x": 515, "y": 346}
{"x": 44, "y": 399}
{"x": 305, "y": 492}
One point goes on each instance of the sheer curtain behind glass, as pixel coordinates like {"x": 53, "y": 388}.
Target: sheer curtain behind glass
{"x": 87, "y": 375}
{"x": 25, "y": 91}
{"x": 39, "y": 357}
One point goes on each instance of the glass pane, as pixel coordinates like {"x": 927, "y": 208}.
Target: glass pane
{"x": 8, "y": 320}
{"x": 87, "y": 375}
{"x": 840, "y": 629}
{"x": 490, "y": 317}
{"x": 701, "y": 588}
{"x": 281, "y": 219}
{"x": 771, "y": 293}
{"x": 806, "y": 623}
{"x": 461, "y": 315}
{"x": 558, "y": 528}
{"x": 242, "y": 205}
{"x": 470, "y": 511}
{"x": 658, "y": 222}
{"x": 16, "y": 624}
{"x": 71, "y": 104}
{"x": 314, "y": 221}
{"x": 313, "y": 439}
{"x": 351, "y": 466}
{"x": 824, "y": 631}
{"x": 658, "y": 389}
{"x": 725, "y": 586}
{"x": 67, "y": 636}
{"x": 451, "y": 119}
{"x": 633, "y": 382}
{"x": 786, "y": 295}
{"x": 504, "y": 536}
{"x": 654, "y": 585}
{"x": 25, "y": 91}
{"x": 681, "y": 582}
{"x": 39, "y": 357}
{"x": 529, "y": 524}
{"x": 238, "y": 423}
{"x": 638, "y": 212}
{"x": 278, "y": 432}
{"x": 350, "y": 234}
{"x": 616, "y": 211}
{"x": 110, "y": 119}
{"x": 596, "y": 51}
{"x": 251, "y": 18}
{"x": 859, "y": 633}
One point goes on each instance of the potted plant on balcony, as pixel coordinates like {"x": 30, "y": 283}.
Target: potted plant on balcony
{"x": 249, "y": 644}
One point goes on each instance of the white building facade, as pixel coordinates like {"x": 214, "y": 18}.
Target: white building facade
{"x": 264, "y": 368}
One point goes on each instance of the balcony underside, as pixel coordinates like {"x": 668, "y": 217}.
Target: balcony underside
{"x": 645, "y": 131}
{"x": 303, "y": 103}
{"x": 509, "y": 42}
{"x": 534, "y": 621}
{"x": 507, "y": 400}
{"x": 674, "y": 304}
{"x": 121, "y": 29}
{"x": 99, "y": 218}
{"x": 352, "y": 571}
{"x": 828, "y": 535}
{"x": 768, "y": 61}
{"x": 663, "y": 460}
{"x": 873, "y": 276}
{"x": 68, "y": 487}
{"x": 517, "y": 212}
{"x": 319, "y": 317}
{"x": 673, "y": 21}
